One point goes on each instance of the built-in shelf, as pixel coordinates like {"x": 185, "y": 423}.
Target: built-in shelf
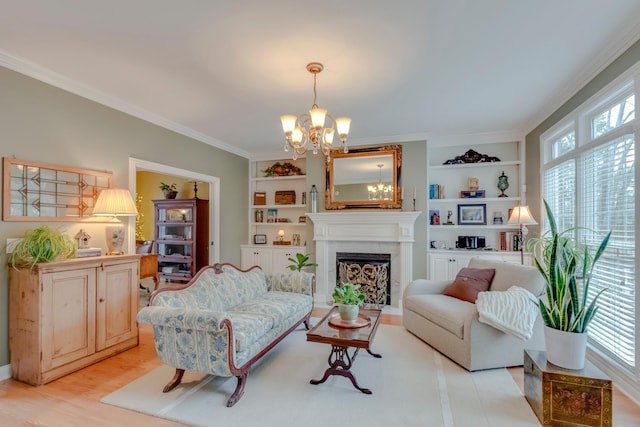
{"x": 477, "y": 165}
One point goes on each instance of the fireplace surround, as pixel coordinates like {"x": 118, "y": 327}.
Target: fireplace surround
{"x": 388, "y": 232}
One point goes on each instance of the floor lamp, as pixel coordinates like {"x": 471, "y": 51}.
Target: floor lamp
{"x": 115, "y": 202}
{"x": 521, "y": 215}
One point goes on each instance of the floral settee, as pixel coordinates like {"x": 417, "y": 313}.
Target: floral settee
{"x": 225, "y": 319}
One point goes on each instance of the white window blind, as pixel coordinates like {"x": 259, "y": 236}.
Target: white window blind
{"x": 607, "y": 198}
{"x": 560, "y": 192}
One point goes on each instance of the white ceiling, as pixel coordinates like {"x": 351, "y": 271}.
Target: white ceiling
{"x": 224, "y": 71}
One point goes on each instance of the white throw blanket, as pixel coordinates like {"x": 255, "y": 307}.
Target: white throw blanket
{"x": 513, "y": 311}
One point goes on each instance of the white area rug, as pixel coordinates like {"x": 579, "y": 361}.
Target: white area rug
{"x": 412, "y": 384}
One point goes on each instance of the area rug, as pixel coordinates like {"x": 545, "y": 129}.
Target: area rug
{"x": 412, "y": 384}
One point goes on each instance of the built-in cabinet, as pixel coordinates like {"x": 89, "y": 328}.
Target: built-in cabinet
{"x": 181, "y": 237}
{"x": 278, "y": 201}
{"x": 65, "y": 315}
{"x": 445, "y": 184}
{"x": 444, "y": 265}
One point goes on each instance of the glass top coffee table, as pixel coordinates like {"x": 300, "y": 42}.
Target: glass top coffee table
{"x": 341, "y": 336}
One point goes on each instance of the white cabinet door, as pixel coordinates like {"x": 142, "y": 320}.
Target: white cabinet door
{"x": 252, "y": 255}
{"x": 281, "y": 259}
{"x": 442, "y": 266}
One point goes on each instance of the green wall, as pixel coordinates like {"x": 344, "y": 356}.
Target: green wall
{"x": 630, "y": 57}
{"x": 41, "y": 123}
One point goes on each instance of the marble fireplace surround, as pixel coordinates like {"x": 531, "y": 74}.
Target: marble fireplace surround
{"x": 372, "y": 232}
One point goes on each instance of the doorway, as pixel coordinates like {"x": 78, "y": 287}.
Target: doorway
{"x": 136, "y": 165}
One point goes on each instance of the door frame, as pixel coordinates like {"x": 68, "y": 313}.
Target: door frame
{"x": 136, "y": 165}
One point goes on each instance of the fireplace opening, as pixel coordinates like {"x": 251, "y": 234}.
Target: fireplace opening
{"x": 371, "y": 271}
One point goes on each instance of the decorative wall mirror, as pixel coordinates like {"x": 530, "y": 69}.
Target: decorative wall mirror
{"x": 34, "y": 191}
{"x": 364, "y": 178}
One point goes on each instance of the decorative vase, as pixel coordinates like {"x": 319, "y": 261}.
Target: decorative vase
{"x": 348, "y": 313}
{"x": 565, "y": 349}
{"x": 503, "y": 184}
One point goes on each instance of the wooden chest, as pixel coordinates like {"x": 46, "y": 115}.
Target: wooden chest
{"x": 564, "y": 397}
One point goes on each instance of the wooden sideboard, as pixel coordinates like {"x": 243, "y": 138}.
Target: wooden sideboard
{"x": 66, "y": 315}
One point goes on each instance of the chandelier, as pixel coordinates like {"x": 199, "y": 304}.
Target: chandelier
{"x": 380, "y": 190}
{"x": 309, "y": 129}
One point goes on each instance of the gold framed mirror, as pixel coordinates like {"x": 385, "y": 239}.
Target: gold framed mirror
{"x": 367, "y": 177}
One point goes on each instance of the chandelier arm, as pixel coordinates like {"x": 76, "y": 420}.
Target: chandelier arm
{"x": 320, "y": 138}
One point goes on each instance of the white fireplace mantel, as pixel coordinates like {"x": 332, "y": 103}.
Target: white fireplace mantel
{"x": 364, "y": 232}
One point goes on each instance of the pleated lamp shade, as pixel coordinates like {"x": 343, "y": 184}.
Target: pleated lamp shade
{"x": 115, "y": 202}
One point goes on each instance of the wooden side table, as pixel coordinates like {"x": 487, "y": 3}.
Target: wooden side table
{"x": 565, "y": 397}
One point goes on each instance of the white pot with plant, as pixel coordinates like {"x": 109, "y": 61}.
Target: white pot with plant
{"x": 567, "y": 267}
{"x": 42, "y": 244}
{"x": 348, "y": 297}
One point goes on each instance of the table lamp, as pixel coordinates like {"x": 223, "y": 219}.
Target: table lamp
{"x": 115, "y": 202}
{"x": 520, "y": 215}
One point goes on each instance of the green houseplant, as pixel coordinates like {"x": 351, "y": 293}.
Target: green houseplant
{"x": 169, "y": 190}
{"x": 42, "y": 244}
{"x": 349, "y": 298}
{"x": 300, "y": 262}
{"x": 567, "y": 267}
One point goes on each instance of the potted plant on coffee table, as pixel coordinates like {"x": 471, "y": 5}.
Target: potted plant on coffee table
{"x": 566, "y": 311}
{"x": 348, "y": 297}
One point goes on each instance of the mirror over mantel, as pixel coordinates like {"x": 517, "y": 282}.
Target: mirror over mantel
{"x": 367, "y": 177}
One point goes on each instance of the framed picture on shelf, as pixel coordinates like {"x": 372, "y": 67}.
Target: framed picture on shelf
{"x": 472, "y": 214}
{"x": 434, "y": 217}
{"x": 260, "y": 239}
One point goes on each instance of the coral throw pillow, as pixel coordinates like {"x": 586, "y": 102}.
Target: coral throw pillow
{"x": 469, "y": 282}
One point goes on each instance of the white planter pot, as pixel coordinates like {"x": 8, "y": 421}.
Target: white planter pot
{"x": 565, "y": 349}
{"x": 348, "y": 313}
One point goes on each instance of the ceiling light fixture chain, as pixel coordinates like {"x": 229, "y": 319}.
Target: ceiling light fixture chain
{"x": 309, "y": 129}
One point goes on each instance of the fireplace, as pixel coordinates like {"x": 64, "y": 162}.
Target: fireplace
{"x": 371, "y": 271}
{"x": 380, "y": 232}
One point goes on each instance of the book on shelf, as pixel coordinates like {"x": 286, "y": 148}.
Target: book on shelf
{"x": 503, "y": 240}
{"x": 436, "y": 191}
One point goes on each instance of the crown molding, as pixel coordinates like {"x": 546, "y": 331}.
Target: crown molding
{"x": 52, "y": 78}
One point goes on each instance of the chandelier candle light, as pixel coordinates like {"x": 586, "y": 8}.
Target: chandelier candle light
{"x": 115, "y": 202}
{"x": 521, "y": 215}
{"x": 380, "y": 190}
{"x": 310, "y": 128}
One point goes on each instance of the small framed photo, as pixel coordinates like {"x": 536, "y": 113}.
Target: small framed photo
{"x": 260, "y": 239}
{"x": 434, "y": 217}
{"x": 472, "y": 214}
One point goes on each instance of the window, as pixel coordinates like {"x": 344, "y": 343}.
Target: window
{"x": 589, "y": 183}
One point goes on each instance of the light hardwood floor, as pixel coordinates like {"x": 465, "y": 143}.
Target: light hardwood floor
{"x": 74, "y": 400}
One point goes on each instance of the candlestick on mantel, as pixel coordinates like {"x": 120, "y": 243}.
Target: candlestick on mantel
{"x": 414, "y": 192}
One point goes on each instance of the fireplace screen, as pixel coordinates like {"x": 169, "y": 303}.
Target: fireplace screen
{"x": 371, "y": 271}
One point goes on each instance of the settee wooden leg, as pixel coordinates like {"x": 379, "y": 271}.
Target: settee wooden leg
{"x": 306, "y": 324}
{"x": 177, "y": 378}
{"x": 239, "y": 391}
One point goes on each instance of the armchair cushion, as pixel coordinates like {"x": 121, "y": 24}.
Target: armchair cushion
{"x": 469, "y": 282}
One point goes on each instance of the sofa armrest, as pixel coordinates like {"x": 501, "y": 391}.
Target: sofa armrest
{"x": 295, "y": 281}
{"x": 423, "y": 286}
{"x": 184, "y": 318}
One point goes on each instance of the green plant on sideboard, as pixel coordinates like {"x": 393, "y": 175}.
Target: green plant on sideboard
{"x": 42, "y": 244}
